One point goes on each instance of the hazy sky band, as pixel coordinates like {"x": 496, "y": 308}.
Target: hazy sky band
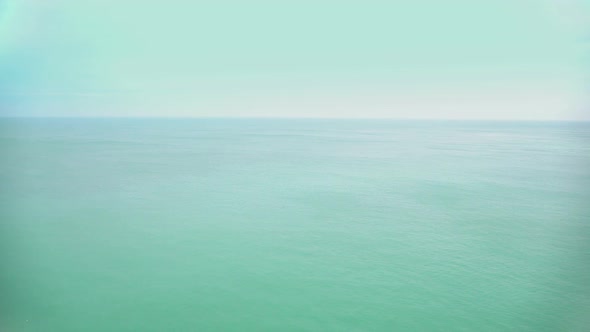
{"x": 513, "y": 59}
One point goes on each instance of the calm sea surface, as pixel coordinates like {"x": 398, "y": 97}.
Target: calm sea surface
{"x": 294, "y": 225}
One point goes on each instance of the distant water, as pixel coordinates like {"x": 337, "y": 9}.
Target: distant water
{"x": 294, "y": 225}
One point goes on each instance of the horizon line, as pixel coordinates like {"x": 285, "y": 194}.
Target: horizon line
{"x": 283, "y": 118}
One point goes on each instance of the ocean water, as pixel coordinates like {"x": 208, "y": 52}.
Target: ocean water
{"x": 294, "y": 225}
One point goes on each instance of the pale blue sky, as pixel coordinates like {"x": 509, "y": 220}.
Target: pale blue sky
{"x": 494, "y": 59}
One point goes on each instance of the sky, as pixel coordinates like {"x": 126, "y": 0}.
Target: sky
{"x": 424, "y": 59}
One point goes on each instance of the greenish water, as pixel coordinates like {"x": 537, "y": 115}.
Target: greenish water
{"x": 294, "y": 225}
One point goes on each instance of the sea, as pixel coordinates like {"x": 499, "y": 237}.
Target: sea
{"x": 213, "y": 224}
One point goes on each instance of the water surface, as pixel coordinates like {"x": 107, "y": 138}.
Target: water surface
{"x": 294, "y": 225}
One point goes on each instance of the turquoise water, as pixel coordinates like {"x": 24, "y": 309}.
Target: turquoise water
{"x": 294, "y": 225}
